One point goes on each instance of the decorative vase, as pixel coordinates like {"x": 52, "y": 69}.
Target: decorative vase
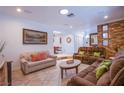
{"x": 70, "y": 61}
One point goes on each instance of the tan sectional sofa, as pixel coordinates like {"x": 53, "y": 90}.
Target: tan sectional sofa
{"x": 113, "y": 77}
{"x": 28, "y": 66}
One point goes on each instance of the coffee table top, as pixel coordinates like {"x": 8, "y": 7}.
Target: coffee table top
{"x": 64, "y": 64}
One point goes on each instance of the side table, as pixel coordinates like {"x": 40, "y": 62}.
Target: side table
{"x": 64, "y": 66}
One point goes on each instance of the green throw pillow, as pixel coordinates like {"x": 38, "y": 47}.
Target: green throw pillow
{"x": 96, "y": 54}
{"x": 101, "y": 70}
{"x": 81, "y": 52}
{"x": 106, "y": 62}
{"x": 104, "y": 66}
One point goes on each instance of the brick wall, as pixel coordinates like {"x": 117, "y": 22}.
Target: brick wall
{"x": 116, "y": 35}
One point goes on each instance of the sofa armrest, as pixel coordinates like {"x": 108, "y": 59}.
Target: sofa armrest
{"x": 22, "y": 60}
{"x": 51, "y": 56}
{"x": 102, "y": 56}
{"x": 75, "y": 54}
{"x": 24, "y": 65}
{"x": 81, "y": 81}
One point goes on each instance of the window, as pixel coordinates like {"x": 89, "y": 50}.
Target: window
{"x": 105, "y": 28}
{"x": 105, "y": 42}
{"x": 105, "y": 35}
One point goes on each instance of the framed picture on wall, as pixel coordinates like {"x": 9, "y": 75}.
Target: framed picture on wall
{"x": 93, "y": 39}
{"x": 34, "y": 37}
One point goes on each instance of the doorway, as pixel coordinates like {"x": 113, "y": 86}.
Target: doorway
{"x": 57, "y": 42}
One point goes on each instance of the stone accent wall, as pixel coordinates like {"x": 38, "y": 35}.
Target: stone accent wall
{"x": 116, "y": 31}
{"x": 116, "y": 36}
{"x": 99, "y": 29}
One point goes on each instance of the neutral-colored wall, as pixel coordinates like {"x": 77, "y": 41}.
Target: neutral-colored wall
{"x": 11, "y": 32}
{"x": 81, "y": 37}
{"x": 57, "y": 38}
{"x": 68, "y": 48}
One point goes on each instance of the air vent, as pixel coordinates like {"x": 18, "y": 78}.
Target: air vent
{"x": 27, "y": 11}
{"x": 66, "y": 24}
{"x": 71, "y": 15}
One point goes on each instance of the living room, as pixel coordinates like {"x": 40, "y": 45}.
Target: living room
{"x": 77, "y": 30}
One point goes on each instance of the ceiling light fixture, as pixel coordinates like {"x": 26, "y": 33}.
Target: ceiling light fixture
{"x": 105, "y": 17}
{"x": 70, "y": 26}
{"x": 64, "y": 11}
{"x": 18, "y": 10}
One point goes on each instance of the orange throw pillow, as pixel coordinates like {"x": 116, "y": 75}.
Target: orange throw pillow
{"x": 39, "y": 56}
{"x": 35, "y": 57}
{"x": 43, "y": 55}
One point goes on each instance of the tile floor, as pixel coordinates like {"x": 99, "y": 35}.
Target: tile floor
{"x": 46, "y": 77}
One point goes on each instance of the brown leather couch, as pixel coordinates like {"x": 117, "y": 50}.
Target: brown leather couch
{"x": 113, "y": 77}
{"x": 88, "y": 56}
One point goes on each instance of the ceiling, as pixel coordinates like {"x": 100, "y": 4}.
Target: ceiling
{"x": 85, "y": 16}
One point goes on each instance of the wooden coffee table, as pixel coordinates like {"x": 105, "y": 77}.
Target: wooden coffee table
{"x": 65, "y": 66}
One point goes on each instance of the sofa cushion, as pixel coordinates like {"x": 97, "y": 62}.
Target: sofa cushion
{"x": 119, "y": 56}
{"x": 26, "y": 56}
{"x": 101, "y": 70}
{"x": 23, "y": 60}
{"x": 116, "y": 66}
{"x": 89, "y": 69}
{"x": 84, "y": 72}
{"x": 40, "y": 62}
{"x": 95, "y": 64}
{"x": 120, "y": 52}
{"x": 78, "y": 81}
{"x": 91, "y": 76}
{"x": 104, "y": 80}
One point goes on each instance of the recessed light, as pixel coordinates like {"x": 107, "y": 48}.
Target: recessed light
{"x": 64, "y": 11}
{"x": 70, "y": 26}
{"x": 105, "y": 17}
{"x": 18, "y": 10}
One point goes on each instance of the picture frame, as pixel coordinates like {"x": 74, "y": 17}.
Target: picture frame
{"x": 34, "y": 37}
{"x": 93, "y": 39}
